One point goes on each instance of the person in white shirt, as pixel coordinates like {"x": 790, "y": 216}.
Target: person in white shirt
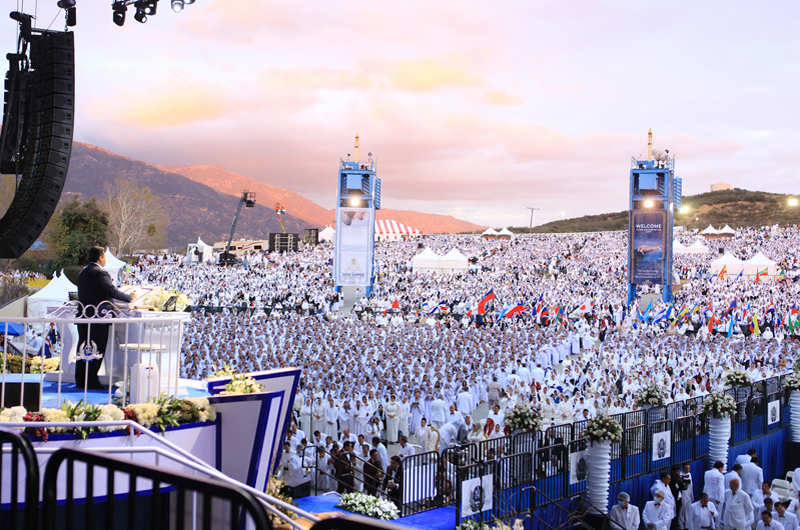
{"x": 663, "y": 485}
{"x": 767, "y": 523}
{"x": 714, "y": 487}
{"x": 738, "y": 510}
{"x": 405, "y": 448}
{"x": 735, "y": 473}
{"x": 752, "y": 477}
{"x": 787, "y": 519}
{"x": 657, "y": 512}
{"x": 702, "y": 514}
{"x": 624, "y": 516}
{"x": 761, "y": 496}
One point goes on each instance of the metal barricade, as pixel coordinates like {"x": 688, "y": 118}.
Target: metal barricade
{"x": 141, "y": 496}
{"x": 426, "y": 487}
{"x": 660, "y": 441}
{"x": 19, "y": 506}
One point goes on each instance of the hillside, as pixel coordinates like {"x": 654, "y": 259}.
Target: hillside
{"x": 317, "y": 216}
{"x": 736, "y": 207}
{"x": 194, "y": 210}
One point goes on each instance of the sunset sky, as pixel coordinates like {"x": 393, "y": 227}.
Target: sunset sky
{"x": 473, "y": 109}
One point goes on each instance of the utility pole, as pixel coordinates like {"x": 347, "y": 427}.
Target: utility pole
{"x": 532, "y": 209}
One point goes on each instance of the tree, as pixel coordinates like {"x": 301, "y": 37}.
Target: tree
{"x": 78, "y": 226}
{"x": 135, "y": 215}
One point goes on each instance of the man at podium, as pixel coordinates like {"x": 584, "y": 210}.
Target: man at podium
{"x": 95, "y": 291}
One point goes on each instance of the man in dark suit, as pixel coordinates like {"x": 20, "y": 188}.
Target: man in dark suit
{"x": 373, "y": 469}
{"x": 393, "y": 481}
{"x": 95, "y": 291}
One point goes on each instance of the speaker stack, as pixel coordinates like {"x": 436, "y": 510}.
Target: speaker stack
{"x": 38, "y": 119}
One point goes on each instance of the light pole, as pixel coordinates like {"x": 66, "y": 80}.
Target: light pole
{"x": 532, "y": 209}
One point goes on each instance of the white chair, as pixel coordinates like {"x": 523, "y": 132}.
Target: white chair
{"x": 789, "y": 475}
{"x": 782, "y": 493}
{"x": 781, "y": 484}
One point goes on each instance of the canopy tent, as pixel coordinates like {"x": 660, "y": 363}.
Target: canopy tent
{"x": 327, "y": 234}
{"x": 391, "y": 230}
{"x": 678, "y": 247}
{"x": 505, "y": 233}
{"x": 726, "y": 232}
{"x": 71, "y": 287}
{"x": 199, "y": 252}
{"x": 697, "y": 248}
{"x": 53, "y": 294}
{"x": 426, "y": 261}
{"x": 731, "y": 264}
{"x": 710, "y": 232}
{"x": 12, "y": 329}
{"x": 759, "y": 263}
{"x": 453, "y": 262}
{"x": 489, "y": 233}
{"x": 113, "y": 266}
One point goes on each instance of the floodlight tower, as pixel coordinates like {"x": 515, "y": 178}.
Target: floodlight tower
{"x": 655, "y": 194}
{"x": 358, "y": 197}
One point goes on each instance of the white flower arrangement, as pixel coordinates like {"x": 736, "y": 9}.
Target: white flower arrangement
{"x": 369, "y": 505}
{"x": 719, "y": 405}
{"x": 159, "y": 296}
{"x": 145, "y": 413}
{"x": 241, "y": 384}
{"x": 472, "y": 524}
{"x": 13, "y": 415}
{"x": 650, "y": 395}
{"x": 603, "y": 428}
{"x": 523, "y": 417}
{"x": 792, "y": 382}
{"x": 736, "y": 377}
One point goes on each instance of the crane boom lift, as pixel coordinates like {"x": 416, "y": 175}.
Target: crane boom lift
{"x": 248, "y": 198}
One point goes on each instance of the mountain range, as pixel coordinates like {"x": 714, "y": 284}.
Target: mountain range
{"x": 201, "y": 200}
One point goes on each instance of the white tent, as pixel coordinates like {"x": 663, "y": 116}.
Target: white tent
{"x": 697, "y": 248}
{"x": 731, "y": 264}
{"x": 113, "y": 266}
{"x": 454, "y": 262}
{"x": 54, "y": 294}
{"x": 205, "y": 253}
{"x": 327, "y": 234}
{"x": 727, "y": 231}
{"x": 426, "y": 261}
{"x": 759, "y": 262}
{"x": 505, "y": 233}
{"x": 490, "y": 233}
{"x": 710, "y": 232}
{"x": 391, "y": 230}
{"x": 678, "y": 247}
{"x": 71, "y": 287}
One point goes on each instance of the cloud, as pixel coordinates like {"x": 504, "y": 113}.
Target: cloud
{"x": 501, "y": 99}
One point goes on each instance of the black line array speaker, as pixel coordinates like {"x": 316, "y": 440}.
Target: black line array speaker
{"x": 311, "y": 236}
{"x": 38, "y": 118}
{"x": 283, "y": 242}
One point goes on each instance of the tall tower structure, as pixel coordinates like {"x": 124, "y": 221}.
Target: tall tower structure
{"x": 655, "y": 194}
{"x": 358, "y": 198}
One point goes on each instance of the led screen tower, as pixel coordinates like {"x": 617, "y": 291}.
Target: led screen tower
{"x": 655, "y": 194}
{"x": 358, "y": 197}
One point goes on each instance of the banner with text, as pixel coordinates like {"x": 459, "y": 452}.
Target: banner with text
{"x": 355, "y": 243}
{"x": 647, "y": 247}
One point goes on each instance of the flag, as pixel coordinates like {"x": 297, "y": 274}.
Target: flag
{"x": 517, "y": 309}
{"x": 661, "y": 315}
{"x": 486, "y": 299}
{"x": 792, "y": 311}
{"x": 782, "y": 275}
{"x": 730, "y": 326}
{"x": 709, "y": 308}
{"x": 723, "y": 272}
{"x": 711, "y": 324}
{"x": 755, "y": 326}
{"x": 761, "y": 273}
{"x": 738, "y": 276}
{"x": 395, "y": 304}
{"x": 647, "y": 311}
{"x": 683, "y": 312}
{"x": 538, "y": 305}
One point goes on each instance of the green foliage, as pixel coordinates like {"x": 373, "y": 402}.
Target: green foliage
{"x": 80, "y": 225}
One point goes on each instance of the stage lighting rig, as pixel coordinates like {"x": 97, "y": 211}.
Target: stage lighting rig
{"x": 144, "y": 8}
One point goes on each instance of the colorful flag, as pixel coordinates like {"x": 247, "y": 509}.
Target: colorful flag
{"x": 711, "y": 324}
{"x": 738, "y": 276}
{"x": 761, "y": 273}
{"x": 723, "y": 272}
{"x": 730, "y": 326}
{"x": 486, "y": 299}
{"x": 730, "y": 308}
{"x": 755, "y": 326}
{"x": 782, "y": 275}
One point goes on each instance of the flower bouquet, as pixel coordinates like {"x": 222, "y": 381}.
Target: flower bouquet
{"x": 650, "y": 395}
{"x": 369, "y": 505}
{"x": 241, "y": 384}
{"x": 736, "y": 377}
{"x": 524, "y": 418}
{"x": 719, "y": 405}
{"x": 792, "y": 382}
{"x": 603, "y": 428}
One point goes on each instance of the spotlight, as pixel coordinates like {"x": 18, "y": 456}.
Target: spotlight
{"x": 66, "y": 4}
{"x": 188, "y": 2}
{"x": 119, "y": 13}
{"x": 355, "y": 203}
{"x": 792, "y": 202}
{"x": 177, "y": 5}
{"x": 140, "y": 16}
{"x": 649, "y": 204}
{"x": 684, "y": 209}
{"x": 150, "y": 8}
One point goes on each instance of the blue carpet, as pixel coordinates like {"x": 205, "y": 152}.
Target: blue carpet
{"x": 70, "y": 392}
{"x": 438, "y": 519}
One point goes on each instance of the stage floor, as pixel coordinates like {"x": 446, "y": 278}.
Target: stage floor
{"x": 70, "y": 392}
{"x": 438, "y": 519}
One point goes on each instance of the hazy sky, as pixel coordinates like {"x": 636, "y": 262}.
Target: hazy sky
{"x": 475, "y": 109}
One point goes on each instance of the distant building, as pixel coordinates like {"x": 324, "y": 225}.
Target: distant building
{"x": 721, "y": 186}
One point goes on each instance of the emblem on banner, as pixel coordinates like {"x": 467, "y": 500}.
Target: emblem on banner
{"x": 88, "y": 352}
{"x": 773, "y": 416}
{"x": 582, "y": 469}
{"x": 476, "y": 499}
{"x": 662, "y": 448}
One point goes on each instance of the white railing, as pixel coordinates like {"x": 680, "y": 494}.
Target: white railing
{"x": 174, "y": 453}
{"x": 140, "y": 339}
